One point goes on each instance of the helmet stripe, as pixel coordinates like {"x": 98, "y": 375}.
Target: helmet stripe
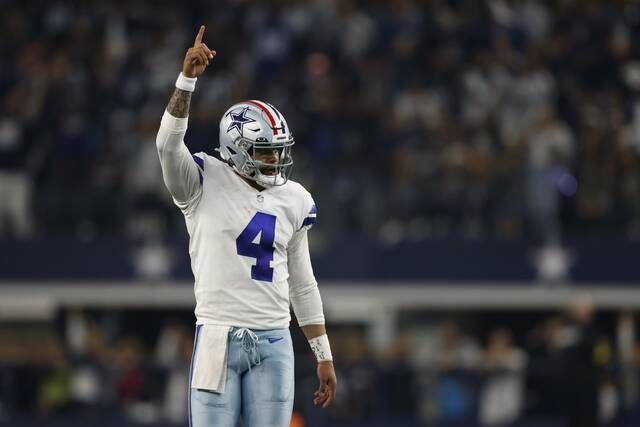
{"x": 275, "y": 110}
{"x": 266, "y": 110}
{"x": 282, "y": 126}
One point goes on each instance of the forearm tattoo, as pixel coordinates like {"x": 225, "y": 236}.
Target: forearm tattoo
{"x": 179, "y": 103}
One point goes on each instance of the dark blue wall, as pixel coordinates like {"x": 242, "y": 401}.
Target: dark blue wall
{"x": 593, "y": 259}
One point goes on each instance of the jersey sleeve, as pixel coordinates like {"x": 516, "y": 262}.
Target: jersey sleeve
{"x": 309, "y": 212}
{"x": 182, "y": 172}
{"x": 303, "y": 287}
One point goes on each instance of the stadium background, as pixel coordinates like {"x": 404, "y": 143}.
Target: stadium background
{"x": 476, "y": 166}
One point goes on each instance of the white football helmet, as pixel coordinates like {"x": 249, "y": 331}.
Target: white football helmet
{"x": 250, "y": 126}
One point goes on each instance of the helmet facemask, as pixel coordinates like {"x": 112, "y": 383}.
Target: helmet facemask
{"x": 265, "y": 173}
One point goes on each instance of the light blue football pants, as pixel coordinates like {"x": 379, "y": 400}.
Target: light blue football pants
{"x": 260, "y": 383}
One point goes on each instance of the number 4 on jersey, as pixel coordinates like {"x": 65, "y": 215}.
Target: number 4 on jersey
{"x": 265, "y": 225}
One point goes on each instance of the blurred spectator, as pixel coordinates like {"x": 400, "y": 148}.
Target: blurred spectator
{"x": 458, "y": 354}
{"x": 625, "y": 342}
{"x": 549, "y": 149}
{"x": 582, "y": 369}
{"x": 176, "y": 362}
{"x": 398, "y": 378}
{"x": 88, "y": 352}
{"x": 456, "y": 350}
{"x": 130, "y": 373}
{"x": 502, "y": 396}
{"x": 357, "y": 398}
{"x": 54, "y": 390}
{"x": 544, "y": 363}
{"x": 15, "y": 178}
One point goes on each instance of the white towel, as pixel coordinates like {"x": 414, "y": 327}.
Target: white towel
{"x": 210, "y": 366}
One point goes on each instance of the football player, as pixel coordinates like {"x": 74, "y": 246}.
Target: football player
{"x": 248, "y": 224}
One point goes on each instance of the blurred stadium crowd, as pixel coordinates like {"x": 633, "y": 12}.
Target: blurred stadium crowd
{"x": 413, "y": 118}
{"x": 131, "y": 369}
{"x": 499, "y": 117}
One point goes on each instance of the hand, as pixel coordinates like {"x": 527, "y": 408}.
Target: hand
{"x": 327, "y": 390}
{"x": 197, "y": 57}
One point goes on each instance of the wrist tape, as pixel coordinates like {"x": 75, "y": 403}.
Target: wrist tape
{"x": 186, "y": 83}
{"x": 321, "y": 348}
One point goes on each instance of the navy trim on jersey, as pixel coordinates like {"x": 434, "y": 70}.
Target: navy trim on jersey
{"x": 310, "y": 220}
{"x": 200, "y": 164}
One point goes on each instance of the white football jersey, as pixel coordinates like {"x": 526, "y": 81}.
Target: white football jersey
{"x": 246, "y": 246}
{"x": 238, "y": 247}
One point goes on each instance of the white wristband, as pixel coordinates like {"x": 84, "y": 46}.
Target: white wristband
{"x": 321, "y": 348}
{"x": 186, "y": 83}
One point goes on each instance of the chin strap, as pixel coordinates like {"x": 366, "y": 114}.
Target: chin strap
{"x": 227, "y": 161}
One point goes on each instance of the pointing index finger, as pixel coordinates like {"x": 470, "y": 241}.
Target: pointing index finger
{"x": 199, "y": 36}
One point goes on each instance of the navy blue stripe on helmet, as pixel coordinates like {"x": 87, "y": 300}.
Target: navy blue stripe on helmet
{"x": 274, "y": 109}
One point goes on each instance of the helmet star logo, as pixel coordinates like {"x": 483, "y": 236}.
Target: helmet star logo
{"x": 238, "y": 120}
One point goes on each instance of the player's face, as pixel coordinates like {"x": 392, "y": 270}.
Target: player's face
{"x": 270, "y": 156}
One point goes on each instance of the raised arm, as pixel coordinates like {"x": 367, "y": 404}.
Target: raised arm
{"x": 181, "y": 172}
